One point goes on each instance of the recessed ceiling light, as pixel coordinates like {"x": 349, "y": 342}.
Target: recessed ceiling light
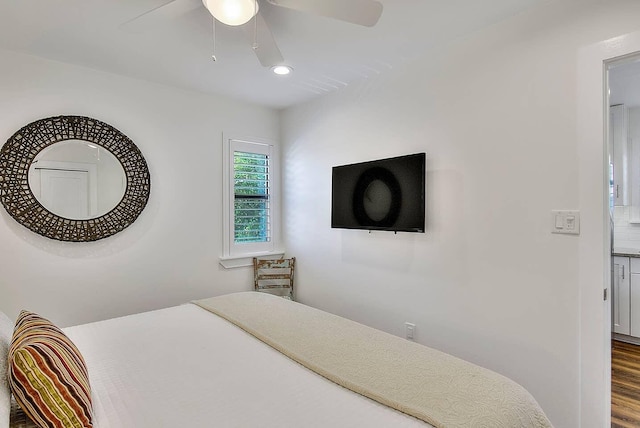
{"x": 281, "y": 69}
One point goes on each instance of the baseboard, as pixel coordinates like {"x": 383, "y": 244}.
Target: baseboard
{"x": 624, "y": 338}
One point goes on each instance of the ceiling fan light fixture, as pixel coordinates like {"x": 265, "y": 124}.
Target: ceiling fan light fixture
{"x": 281, "y": 70}
{"x": 232, "y": 12}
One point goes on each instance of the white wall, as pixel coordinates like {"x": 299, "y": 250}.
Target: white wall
{"x": 170, "y": 254}
{"x": 496, "y": 114}
{"x": 627, "y": 235}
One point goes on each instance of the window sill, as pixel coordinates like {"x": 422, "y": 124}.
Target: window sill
{"x": 246, "y": 260}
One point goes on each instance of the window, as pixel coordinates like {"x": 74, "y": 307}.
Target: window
{"x": 250, "y": 198}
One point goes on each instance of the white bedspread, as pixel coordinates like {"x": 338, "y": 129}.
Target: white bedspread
{"x": 185, "y": 367}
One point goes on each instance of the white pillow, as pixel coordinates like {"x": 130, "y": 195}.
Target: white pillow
{"x": 6, "y": 331}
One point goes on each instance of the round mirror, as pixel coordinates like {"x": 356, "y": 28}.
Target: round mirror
{"x": 41, "y": 184}
{"x": 77, "y": 180}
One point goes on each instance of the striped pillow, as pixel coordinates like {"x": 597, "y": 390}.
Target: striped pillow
{"x": 6, "y": 326}
{"x": 47, "y": 374}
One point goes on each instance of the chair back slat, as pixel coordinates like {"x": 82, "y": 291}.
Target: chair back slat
{"x": 274, "y": 276}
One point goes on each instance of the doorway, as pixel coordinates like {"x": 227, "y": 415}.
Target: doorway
{"x": 623, "y": 77}
{"x": 67, "y": 189}
{"x": 66, "y": 193}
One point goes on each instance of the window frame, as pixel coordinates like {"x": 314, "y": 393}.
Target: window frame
{"x": 241, "y": 254}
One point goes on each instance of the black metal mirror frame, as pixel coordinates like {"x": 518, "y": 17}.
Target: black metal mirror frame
{"x": 21, "y": 149}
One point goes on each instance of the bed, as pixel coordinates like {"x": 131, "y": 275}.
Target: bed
{"x": 252, "y": 359}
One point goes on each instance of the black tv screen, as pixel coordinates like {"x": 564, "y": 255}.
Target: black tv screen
{"x": 386, "y": 194}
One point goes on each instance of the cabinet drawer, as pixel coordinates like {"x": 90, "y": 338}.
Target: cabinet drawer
{"x": 635, "y": 264}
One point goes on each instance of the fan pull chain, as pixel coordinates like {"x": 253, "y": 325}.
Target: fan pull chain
{"x": 213, "y": 55}
{"x": 255, "y": 25}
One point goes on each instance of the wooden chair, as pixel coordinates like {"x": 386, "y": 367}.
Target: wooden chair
{"x": 274, "y": 276}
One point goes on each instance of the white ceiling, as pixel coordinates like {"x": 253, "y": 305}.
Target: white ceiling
{"x": 326, "y": 54}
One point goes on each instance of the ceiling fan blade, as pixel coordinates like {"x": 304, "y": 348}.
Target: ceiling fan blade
{"x": 160, "y": 15}
{"x": 361, "y": 12}
{"x": 266, "y": 50}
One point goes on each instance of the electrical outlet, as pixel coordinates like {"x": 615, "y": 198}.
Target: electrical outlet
{"x": 410, "y": 330}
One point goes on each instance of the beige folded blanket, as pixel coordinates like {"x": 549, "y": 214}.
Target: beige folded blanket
{"x": 438, "y": 388}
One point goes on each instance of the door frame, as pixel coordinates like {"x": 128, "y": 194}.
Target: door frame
{"x": 90, "y": 168}
{"x": 594, "y": 265}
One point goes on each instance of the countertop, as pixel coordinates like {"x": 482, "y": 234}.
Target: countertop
{"x": 626, "y": 252}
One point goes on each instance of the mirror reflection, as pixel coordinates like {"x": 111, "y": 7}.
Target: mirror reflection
{"x": 77, "y": 180}
{"x": 377, "y": 200}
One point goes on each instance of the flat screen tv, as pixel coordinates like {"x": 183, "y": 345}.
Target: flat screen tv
{"x": 385, "y": 194}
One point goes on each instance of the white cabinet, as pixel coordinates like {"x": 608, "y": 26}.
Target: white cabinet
{"x": 622, "y": 295}
{"x": 635, "y": 297}
{"x": 618, "y": 135}
{"x": 626, "y": 296}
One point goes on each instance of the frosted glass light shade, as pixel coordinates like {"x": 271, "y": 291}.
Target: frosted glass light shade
{"x": 232, "y": 12}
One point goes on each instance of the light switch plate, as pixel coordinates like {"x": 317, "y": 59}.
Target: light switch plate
{"x": 565, "y": 221}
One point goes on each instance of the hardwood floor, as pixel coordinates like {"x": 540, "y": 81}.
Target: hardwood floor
{"x": 625, "y": 385}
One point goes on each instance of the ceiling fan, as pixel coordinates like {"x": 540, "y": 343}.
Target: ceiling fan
{"x": 246, "y": 13}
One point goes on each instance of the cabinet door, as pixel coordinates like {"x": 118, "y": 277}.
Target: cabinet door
{"x": 635, "y": 305}
{"x": 620, "y": 143}
{"x": 621, "y": 296}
